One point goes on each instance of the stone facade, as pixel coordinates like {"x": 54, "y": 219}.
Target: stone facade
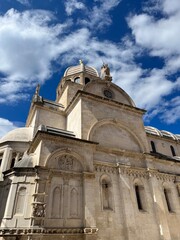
{"x": 85, "y": 167}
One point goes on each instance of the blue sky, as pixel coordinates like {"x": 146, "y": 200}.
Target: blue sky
{"x": 139, "y": 40}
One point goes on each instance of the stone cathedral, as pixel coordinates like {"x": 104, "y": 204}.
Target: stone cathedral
{"x": 86, "y": 168}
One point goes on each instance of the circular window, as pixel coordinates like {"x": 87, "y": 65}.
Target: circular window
{"x": 108, "y": 93}
{"x": 77, "y": 80}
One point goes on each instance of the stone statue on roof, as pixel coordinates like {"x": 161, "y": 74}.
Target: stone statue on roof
{"x": 105, "y": 72}
{"x": 37, "y": 90}
{"x": 36, "y": 97}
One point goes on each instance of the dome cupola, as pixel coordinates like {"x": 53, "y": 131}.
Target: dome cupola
{"x": 78, "y": 76}
{"x": 79, "y": 69}
{"x": 81, "y": 73}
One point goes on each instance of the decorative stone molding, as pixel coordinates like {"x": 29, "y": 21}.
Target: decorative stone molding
{"x": 162, "y": 176}
{"x": 39, "y": 210}
{"x": 90, "y": 230}
{"x": 177, "y": 180}
{"x": 89, "y": 175}
{"x": 139, "y": 173}
{"x": 47, "y": 231}
{"x": 134, "y": 172}
{"x": 105, "y": 169}
{"x": 66, "y": 162}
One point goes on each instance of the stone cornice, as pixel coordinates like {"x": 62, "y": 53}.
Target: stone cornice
{"x": 120, "y": 152}
{"x": 47, "y": 231}
{"x": 111, "y": 102}
{"x": 161, "y": 158}
{"x": 133, "y": 172}
{"x": 43, "y": 135}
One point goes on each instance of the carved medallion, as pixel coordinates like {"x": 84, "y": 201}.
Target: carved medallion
{"x": 68, "y": 163}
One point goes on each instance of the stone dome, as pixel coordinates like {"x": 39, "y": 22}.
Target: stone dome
{"x": 81, "y": 68}
{"x": 18, "y": 135}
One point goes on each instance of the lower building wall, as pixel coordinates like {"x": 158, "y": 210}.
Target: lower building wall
{"x": 50, "y": 237}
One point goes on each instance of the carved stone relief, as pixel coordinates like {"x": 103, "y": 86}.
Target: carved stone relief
{"x": 39, "y": 210}
{"x": 66, "y": 198}
{"x": 69, "y": 163}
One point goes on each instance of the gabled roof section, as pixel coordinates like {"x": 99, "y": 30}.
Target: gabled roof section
{"x": 108, "y": 90}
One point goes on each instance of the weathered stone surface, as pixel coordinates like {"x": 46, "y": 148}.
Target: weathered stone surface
{"x": 86, "y": 170}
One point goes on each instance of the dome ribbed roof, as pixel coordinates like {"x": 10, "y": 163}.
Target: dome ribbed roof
{"x": 162, "y": 133}
{"x": 81, "y": 68}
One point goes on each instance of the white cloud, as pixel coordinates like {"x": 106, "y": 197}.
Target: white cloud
{"x": 164, "y": 6}
{"x": 73, "y": 5}
{"x": 168, "y": 111}
{"x": 99, "y": 16}
{"x": 171, "y": 112}
{"x": 170, "y": 7}
{"x": 29, "y": 43}
{"x": 24, "y": 2}
{"x": 5, "y": 126}
{"x": 27, "y": 47}
{"x": 161, "y": 37}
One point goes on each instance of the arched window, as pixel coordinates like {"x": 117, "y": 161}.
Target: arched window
{"x": 168, "y": 198}
{"x": 140, "y": 196}
{"x": 74, "y": 203}
{"x": 106, "y": 188}
{"x": 87, "y": 80}
{"x": 173, "y": 151}
{"x": 56, "y": 203}
{"x": 153, "y": 147}
{"x": 20, "y": 201}
{"x": 77, "y": 80}
{"x": 178, "y": 190}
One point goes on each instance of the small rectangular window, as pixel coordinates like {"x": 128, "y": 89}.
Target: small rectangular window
{"x": 153, "y": 147}
{"x": 172, "y": 151}
{"x": 167, "y": 194}
{"x": 140, "y": 197}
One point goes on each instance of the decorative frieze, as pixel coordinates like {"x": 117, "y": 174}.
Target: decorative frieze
{"x": 134, "y": 172}
{"x": 47, "y": 231}
{"x": 139, "y": 173}
{"x": 162, "y": 176}
{"x": 105, "y": 169}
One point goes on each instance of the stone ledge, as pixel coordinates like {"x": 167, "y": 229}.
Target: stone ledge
{"x": 46, "y": 231}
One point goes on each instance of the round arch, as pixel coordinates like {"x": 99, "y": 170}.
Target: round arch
{"x": 52, "y": 160}
{"x": 117, "y": 126}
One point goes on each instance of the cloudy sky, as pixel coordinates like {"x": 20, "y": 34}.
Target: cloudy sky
{"x": 140, "y": 40}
